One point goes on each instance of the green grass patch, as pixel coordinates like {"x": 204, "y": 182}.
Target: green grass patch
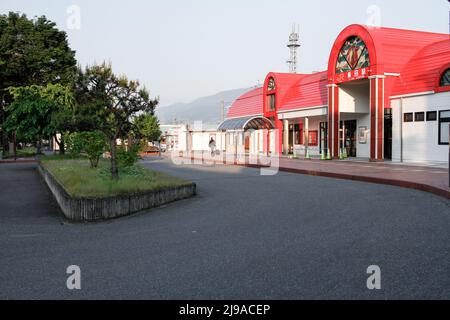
{"x": 67, "y": 156}
{"x": 80, "y": 180}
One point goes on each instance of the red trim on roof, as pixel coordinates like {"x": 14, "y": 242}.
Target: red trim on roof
{"x": 310, "y": 91}
{"x": 248, "y": 104}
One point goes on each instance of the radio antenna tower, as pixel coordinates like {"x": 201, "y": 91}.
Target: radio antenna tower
{"x": 293, "y": 46}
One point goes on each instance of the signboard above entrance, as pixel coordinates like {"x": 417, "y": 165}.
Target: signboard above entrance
{"x": 353, "y": 75}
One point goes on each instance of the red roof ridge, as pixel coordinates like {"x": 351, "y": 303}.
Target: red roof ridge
{"x": 372, "y": 28}
{"x": 249, "y": 94}
{"x": 311, "y": 79}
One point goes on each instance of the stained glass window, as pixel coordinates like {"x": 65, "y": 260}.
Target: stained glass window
{"x": 445, "y": 79}
{"x": 354, "y": 55}
{"x": 271, "y": 85}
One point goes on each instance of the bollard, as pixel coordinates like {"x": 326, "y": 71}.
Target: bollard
{"x": 328, "y": 154}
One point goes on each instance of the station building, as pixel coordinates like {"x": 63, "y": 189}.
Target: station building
{"x": 384, "y": 96}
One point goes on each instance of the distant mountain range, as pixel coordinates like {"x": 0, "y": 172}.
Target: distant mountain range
{"x": 206, "y": 109}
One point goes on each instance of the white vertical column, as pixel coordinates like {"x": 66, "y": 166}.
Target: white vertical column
{"x": 306, "y": 138}
{"x": 286, "y": 137}
{"x": 293, "y": 139}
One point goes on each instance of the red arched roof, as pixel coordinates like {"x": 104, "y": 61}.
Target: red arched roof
{"x": 283, "y": 82}
{"x": 423, "y": 72}
{"x": 248, "y": 104}
{"x": 389, "y": 49}
{"x": 310, "y": 91}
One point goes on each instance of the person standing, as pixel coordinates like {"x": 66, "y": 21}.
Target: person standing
{"x": 212, "y": 146}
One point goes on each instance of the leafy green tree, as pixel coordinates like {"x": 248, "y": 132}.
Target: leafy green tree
{"x": 32, "y": 52}
{"x": 94, "y": 144}
{"x": 147, "y": 126}
{"x": 74, "y": 144}
{"x": 113, "y": 101}
{"x": 32, "y": 108}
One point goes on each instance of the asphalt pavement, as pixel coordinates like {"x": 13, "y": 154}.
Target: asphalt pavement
{"x": 244, "y": 236}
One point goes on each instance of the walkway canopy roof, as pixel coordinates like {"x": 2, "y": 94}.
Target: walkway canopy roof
{"x": 246, "y": 123}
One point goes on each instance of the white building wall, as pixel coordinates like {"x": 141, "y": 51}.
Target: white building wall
{"x": 362, "y": 120}
{"x": 354, "y": 99}
{"x": 255, "y": 145}
{"x": 220, "y": 141}
{"x": 272, "y": 141}
{"x": 183, "y": 138}
{"x": 420, "y": 139}
{"x": 200, "y": 140}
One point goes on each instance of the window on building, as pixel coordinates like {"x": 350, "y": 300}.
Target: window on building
{"x": 445, "y": 78}
{"x": 408, "y": 117}
{"x": 444, "y": 123}
{"x": 431, "y": 116}
{"x": 312, "y": 138}
{"x": 271, "y": 85}
{"x": 271, "y": 106}
{"x": 419, "y": 116}
{"x": 353, "y": 55}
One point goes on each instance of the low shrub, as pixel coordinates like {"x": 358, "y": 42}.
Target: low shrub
{"x": 127, "y": 158}
{"x": 93, "y": 143}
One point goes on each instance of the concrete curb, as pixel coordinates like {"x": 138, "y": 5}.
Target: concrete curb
{"x": 393, "y": 182}
{"x": 97, "y": 209}
{"x": 399, "y": 183}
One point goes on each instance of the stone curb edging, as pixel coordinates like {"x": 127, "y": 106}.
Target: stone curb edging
{"x": 97, "y": 209}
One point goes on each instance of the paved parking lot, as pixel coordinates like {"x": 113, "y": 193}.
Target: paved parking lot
{"x": 243, "y": 237}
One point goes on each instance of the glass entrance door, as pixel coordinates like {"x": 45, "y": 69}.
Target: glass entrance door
{"x": 388, "y": 134}
{"x": 349, "y": 137}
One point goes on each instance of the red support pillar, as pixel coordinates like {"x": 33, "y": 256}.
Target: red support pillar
{"x": 377, "y": 118}
{"x": 380, "y": 123}
{"x": 333, "y": 119}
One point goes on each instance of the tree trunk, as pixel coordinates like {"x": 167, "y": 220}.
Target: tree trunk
{"x": 114, "y": 169}
{"x": 3, "y": 138}
{"x": 15, "y": 146}
{"x": 62, "y": 147}
{"x": 130, "y": 142}
{"x": 38, "y": 147}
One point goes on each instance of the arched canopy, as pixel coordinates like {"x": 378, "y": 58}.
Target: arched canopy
{"x": 246, "y": 123}
{"x": 353, "y": 49}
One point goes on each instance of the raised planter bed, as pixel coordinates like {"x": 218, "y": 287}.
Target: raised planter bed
{"x": 85, "y": 209}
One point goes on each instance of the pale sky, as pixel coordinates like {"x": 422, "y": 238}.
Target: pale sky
{"x": 185, "y": 49}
